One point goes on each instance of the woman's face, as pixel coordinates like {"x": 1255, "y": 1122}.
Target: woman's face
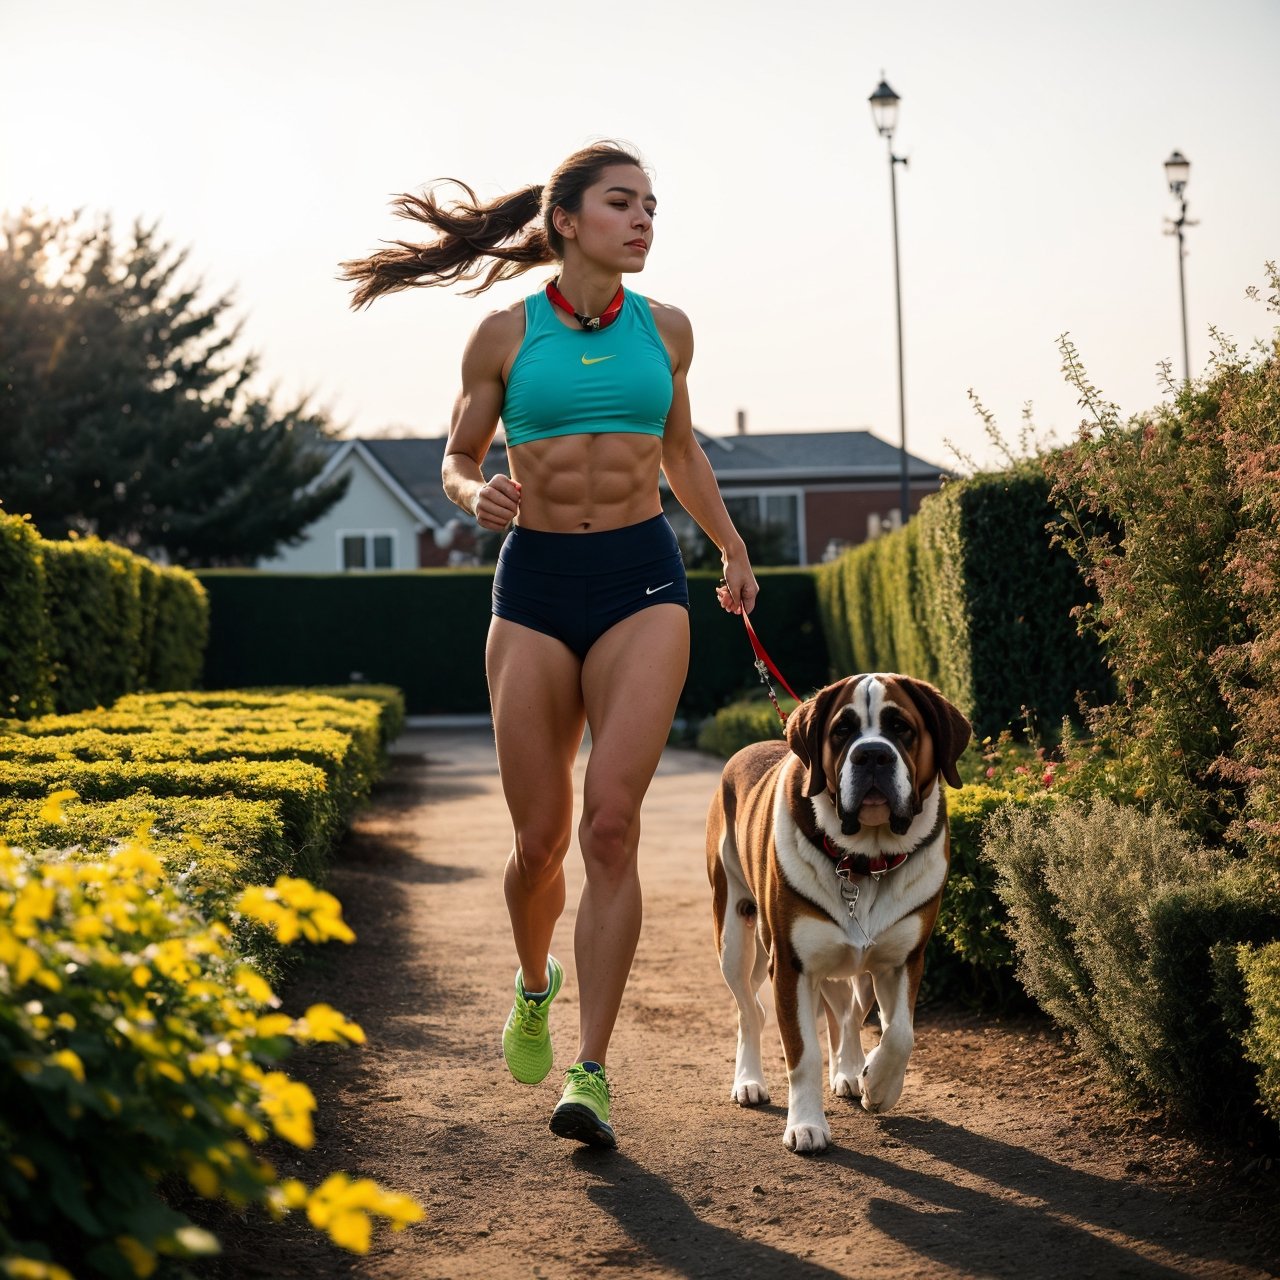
{"x": 614, "y": 226}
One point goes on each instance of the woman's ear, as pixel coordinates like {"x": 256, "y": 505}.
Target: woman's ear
{"x": 563, "y": 222}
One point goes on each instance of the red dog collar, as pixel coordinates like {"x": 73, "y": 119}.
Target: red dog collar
{"x": 861, "y": 864}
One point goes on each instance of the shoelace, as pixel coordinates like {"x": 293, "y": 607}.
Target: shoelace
{"x": 532, "y": 1016}
{"x": 593, "y": 1081}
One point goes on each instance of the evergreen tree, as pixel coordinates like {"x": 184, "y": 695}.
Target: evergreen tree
{"x": 125, "y": 412}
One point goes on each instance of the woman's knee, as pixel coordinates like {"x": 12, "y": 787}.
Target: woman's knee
{"x": 609, "y": 834}
{"x": 539, "y": 855}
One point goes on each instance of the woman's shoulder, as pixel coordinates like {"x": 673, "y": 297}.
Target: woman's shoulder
{"x": 674, "y": 329}
{"x": 494, "y": 340}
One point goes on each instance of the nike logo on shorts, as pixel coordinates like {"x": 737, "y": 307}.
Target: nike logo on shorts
{"x": 650, "y": 590}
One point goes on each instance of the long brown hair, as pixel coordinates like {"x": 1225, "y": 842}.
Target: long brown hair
{"x": 514, "y": 230}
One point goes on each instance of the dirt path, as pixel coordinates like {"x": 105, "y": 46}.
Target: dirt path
{"x": 999, "y": 1161}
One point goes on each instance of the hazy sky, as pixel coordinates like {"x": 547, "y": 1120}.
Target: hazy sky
{"x": 270, "y": 136}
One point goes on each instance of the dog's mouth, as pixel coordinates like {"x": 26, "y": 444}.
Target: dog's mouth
{"x": 871, "y": 808}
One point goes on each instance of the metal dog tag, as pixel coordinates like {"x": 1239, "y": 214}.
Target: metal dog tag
{"x": 850, "y": 893}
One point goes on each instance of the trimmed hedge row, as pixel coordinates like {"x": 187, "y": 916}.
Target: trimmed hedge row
{"x": 972, "y": 596}
{"x": 84, "y": 621}
{"x": 424, "y": 632}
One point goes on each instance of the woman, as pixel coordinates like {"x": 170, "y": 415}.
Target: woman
{"x": 590, "y": 605}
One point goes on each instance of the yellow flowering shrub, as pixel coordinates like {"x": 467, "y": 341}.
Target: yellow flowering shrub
{"x": 136, "y": 1046}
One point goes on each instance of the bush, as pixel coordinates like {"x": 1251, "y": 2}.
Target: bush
{"x": 972, "y": 596}
{"x": 310, "y": 817}
{"x": 1261, "y": 969}
{"x": 1125, "y": 930}
{"x": 135, "y": 1048}
{"x": 1172, "y": 518}
{"x": 95, "y": 616}
{"x": 25, "y": 685}
{"x": 349, "y": 779}
{"x": 174, "y": 641}
{"x": 740, "y": 724}
{"x": 970, "y": 957}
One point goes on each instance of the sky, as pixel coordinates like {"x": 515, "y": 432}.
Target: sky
{"x": 268, "y": 138}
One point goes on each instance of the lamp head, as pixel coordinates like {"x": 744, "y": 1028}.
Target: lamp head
{"x": 884, "y": 109}
{"x": 1177, "y": 169}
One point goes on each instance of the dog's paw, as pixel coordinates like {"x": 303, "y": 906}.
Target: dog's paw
{"x": 844, "y": 1087}
{"x": 881, "y": 1083}
{"x": 807, "y": 1139}
{"x": 749, "y": 1093}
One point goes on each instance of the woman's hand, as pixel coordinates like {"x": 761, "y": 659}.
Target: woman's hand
{"x": 738, "y": 588}
{"x": 497, "y": 503}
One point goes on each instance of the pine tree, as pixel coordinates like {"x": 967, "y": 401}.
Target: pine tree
{"x": 125, "y": 411}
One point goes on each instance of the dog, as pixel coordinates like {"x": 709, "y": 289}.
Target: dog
{"x": 827, "y": 854}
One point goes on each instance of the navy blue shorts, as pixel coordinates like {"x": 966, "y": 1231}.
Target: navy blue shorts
{"x": 575, "y": 586}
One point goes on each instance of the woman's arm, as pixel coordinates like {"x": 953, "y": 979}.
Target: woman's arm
{"x": 690, "y": 475}
{"x": 494, "y": 503}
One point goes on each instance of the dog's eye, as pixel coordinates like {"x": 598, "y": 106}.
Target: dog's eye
{"x": 840, "y": 731}
{"x": 901, "y": 729}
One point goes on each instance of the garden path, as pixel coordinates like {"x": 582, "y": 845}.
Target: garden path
{"x": 1002, "y": 1158}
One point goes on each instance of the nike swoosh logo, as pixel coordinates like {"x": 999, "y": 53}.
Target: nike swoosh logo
{"x": 650, "y": 590}
{"x": 598, "y": 360}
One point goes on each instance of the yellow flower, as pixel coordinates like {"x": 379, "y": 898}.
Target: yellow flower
{"x": 139, "y": 1257}
{"x": 70, "y": 1062}
{"x": 254, "y": 986}
{"x": 52, "y": 809}
{"x": 327, "y": 1024}
{"x": 33, "y": 1269}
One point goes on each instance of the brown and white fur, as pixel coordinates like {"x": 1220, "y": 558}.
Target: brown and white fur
{"x": 862, "y": 765}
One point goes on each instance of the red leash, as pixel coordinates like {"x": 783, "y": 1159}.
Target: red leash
{"x": 764, "y": 664}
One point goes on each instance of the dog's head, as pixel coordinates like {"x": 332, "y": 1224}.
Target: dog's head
{"x": 877, "y": 743}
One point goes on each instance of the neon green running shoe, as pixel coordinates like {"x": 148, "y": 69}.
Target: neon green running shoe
{"x": 526, "y": 1039}
{"x": 583, "y": 1110}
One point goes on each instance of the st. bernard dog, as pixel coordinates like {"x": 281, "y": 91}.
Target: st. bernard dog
{"x": 827, "y": 855}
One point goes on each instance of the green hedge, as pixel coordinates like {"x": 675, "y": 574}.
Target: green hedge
{"x": 349, "y": 777}
{"x": 95, "y": 616}
{"x": 25, "y": 685}
{"x": 84, "y": 621}
{"x": 424, "y": 632}
{"x": 310, "y": 816}
{"x": 1261, "y": 969}
{"x": 972, "y": 596}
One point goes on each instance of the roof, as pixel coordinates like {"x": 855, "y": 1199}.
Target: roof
{"x": 797, "y": 455}
{"x": 413, "y": 462}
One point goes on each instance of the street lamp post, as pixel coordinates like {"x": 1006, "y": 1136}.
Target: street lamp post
{"x": 1177, "y": 169}
{"x": 884, "y": 111}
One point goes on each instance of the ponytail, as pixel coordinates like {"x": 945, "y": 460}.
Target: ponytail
{"x": 468, "y": 232}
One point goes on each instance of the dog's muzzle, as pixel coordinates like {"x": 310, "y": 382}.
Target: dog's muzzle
{"x": 875, "y": 766}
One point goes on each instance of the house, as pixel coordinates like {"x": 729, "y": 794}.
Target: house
{"x": 817, "y": 492}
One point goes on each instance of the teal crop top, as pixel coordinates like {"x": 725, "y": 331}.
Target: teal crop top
{"x": 569, "y": 382}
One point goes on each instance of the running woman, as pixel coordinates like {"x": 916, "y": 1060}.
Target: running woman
{"x": 590, "y": 604}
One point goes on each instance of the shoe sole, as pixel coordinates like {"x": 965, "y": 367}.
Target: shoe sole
{"x": 573, "y": 1120}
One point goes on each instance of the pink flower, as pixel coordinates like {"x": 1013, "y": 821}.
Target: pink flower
{"x": 991, "y": 773}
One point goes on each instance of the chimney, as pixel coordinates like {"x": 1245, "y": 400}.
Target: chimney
{"x": 742, "y": 422}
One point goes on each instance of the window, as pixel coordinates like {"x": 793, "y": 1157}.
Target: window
{"x": 367, "y": 549}
{"x": 773, "y": 516}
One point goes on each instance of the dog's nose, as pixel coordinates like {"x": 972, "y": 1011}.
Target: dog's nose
{"x": 872, "y": 755}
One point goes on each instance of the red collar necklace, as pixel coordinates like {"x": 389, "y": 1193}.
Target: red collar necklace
{"x": 602, "y": 321}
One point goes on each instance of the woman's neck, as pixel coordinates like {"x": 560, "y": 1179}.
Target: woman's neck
{"x": 588, "y": 291}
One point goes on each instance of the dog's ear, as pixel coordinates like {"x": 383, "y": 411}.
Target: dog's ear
{"x": 948, "y": 727}
{"x": 806, "y": 726}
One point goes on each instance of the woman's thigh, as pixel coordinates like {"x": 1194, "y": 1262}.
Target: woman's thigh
{"x": 631, "y": 682}
{"x": 535, "y": 689}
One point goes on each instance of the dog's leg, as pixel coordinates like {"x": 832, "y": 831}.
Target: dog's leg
{"x": 745, "y": 965}
{"x": 846, "y": 1011}
{"x": 796, "y": 998}
{"x": 887, "y": 1063}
